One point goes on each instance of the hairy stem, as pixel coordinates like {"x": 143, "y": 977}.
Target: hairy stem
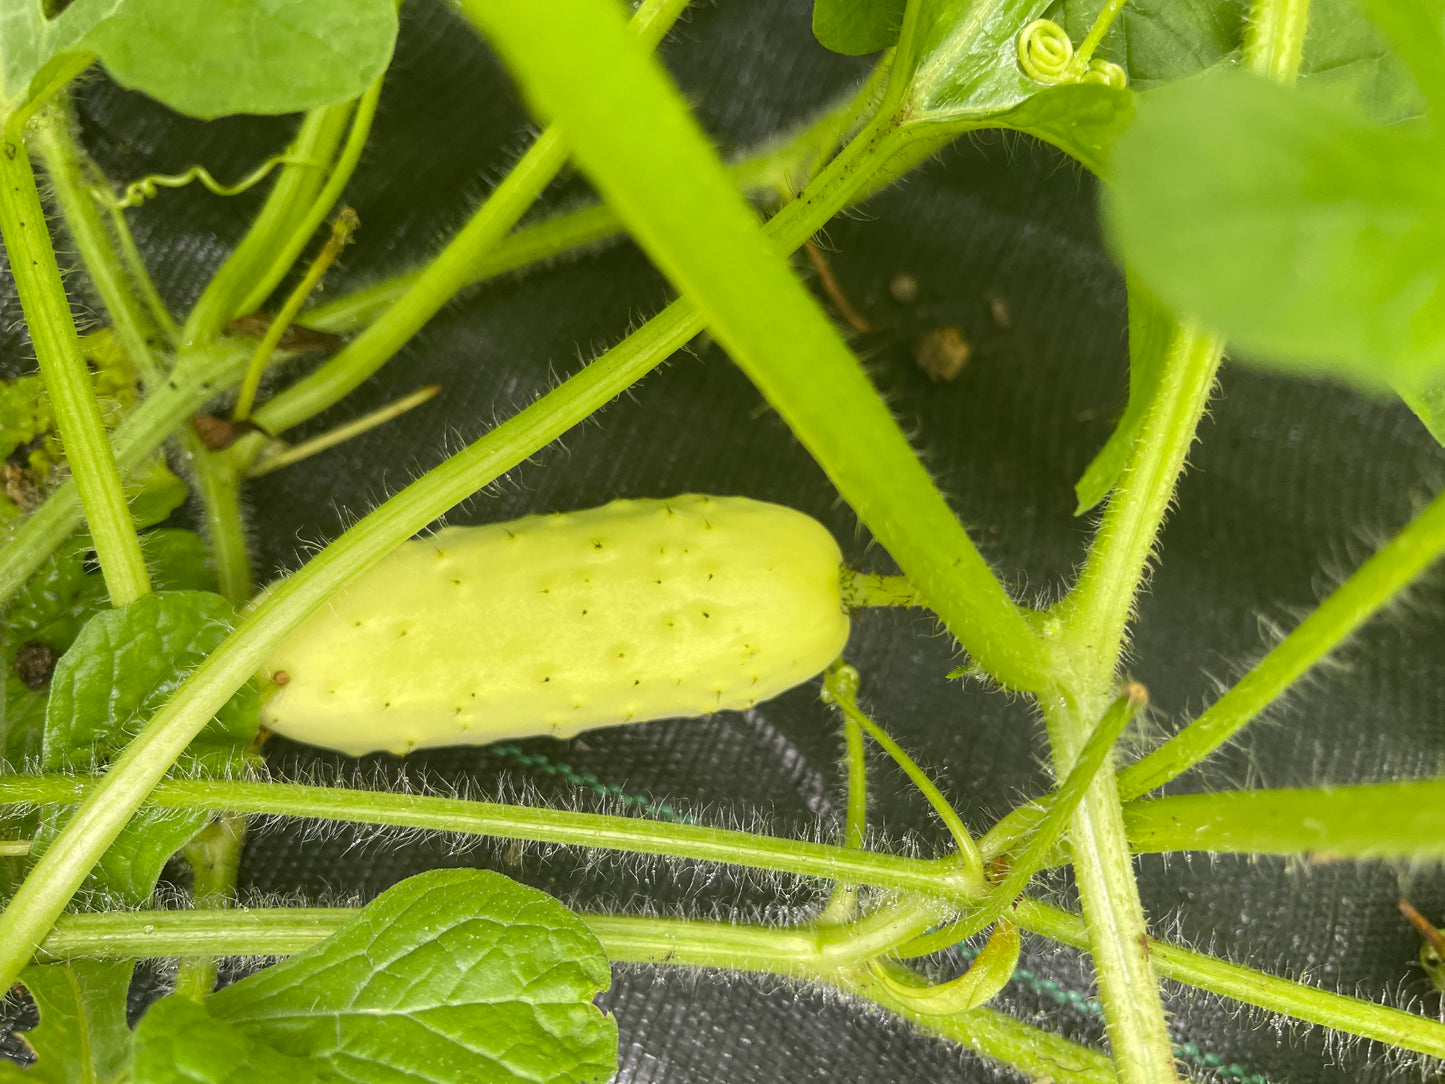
{"x": 685, "y": 841}
{"x": 57, "y": 348}
{"x": 1349, "y": 606}
{"x": 1348, "y": 1014}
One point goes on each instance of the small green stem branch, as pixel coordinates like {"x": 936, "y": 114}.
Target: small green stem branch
{"x": 253, "y": 266}
{"x": 941, "y": 878}
{"x": 1366, "y": 821}
{"x": 1102, "y": 22}
{"x": 1349, "y": 606}
{"x": 1060, "y": 809}
{"x": 341, "y": 231}
{"x": 1104, "y": 874}
{"x": 1275, "y": 38}
{"x": 57, "y": 347}
{"x": 288, "y": 455}
{"x": 860, "y": 589}
{"x": 840, "y": 686}
{"x": 66, "y": 167}
{"x": 1347, "y": 1014}
{"x": 214, "y": 856}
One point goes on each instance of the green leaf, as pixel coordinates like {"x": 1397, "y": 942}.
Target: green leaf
{"x": 82, "y": 1037}
{"x": 1151, "y": 329}
{"x": 857, "y": 27}
{"x": 247, "y": 56}
{"x": 1428, "y": 403}
{"x": 1309, "y": 237}
{"x": 1346, "y": 60}
{"x": 124, "y": 665}
{"x": 46, "y": 615}
{"x": 1084, "y": 120}
{"x": 961, "y": 57}
{"x": 178, "y": 1042}
{"x": 29, "y": 40}
{"x": 154, "y": 492}
{"x": 452, "y": 975}
{"x": 1157, "y": 41}
{"x": 1416, "y": 32}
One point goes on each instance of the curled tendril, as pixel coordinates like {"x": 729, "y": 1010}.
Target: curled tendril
{"x": 1106, "y": 72}
{"x": 137, "y": 192}
{"x": 1045, "y": 52}
{"x": 1046, "y": 55}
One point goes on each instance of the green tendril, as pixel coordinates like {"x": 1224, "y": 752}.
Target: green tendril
{"x": 1046, "y": 55}
{"x": 1045, "y": 52}
{"x": 137, "y": 192}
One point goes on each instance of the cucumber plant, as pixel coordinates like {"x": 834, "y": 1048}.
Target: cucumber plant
{"x": 1269, "y": 178}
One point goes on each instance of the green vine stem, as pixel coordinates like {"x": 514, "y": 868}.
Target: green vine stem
{"x": 57, "y": 348}
{"x": 214, "y": 855}
{"x": 1364, "y": 821}
{"x": 1349, "y": 606}
{"x": 840, "y": 687}
{"x": 1094, "y": 621}
{"x": 251, "y": 267}
{"x": 929, "y": 877}
{"x": 66, "y": 167}
{"x": 266, "y": 931}
{"x": 1034, "y": 856}
{"x": 1348, "y": 1014}
{"x": 626, "y": 938}
{"x": 1274, "y": 38}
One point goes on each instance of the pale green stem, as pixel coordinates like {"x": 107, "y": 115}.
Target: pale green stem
{"x": 862, "y": 589}
{"x": 219, "y": 484}
{"x": 1275, "y": 37}
{"x": 214, "y": 856}
{"x": 341, "y": 230}
{"x": 295, "y": 453}
{"x": 1349, "y": 606}
{"x": 1367, "y": 821}
{"x": 940, "y": 878}
{"x": 65, "y": 166}
{"x": 1034, "y": 857}
{"x": 1102, "y": 22}
{"x": 840, "y": 684}
{"x": 287, "y": 253}
{"x": 57, "y": 348}
{"x": 1095, "y": 617}
{"x": 252, "y": 266}
{"x": 1348, "y": 1014}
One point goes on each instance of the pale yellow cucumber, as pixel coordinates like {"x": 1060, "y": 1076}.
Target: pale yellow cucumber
{"x": 554, "y": 624}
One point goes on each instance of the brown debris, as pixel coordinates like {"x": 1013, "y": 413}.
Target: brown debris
{"x": 942, "y": 353}
{"x": 218, "y": 434}
{"x": 34, "y": 663}
{"x": 295, "y": 339}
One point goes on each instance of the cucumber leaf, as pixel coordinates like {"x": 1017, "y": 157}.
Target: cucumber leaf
{"x": 857, "y": 27}
{"x": 1309, "y": 236}
{"x": 29, "y": 40}
{"x": 122, "y": 667}
{"x": 46, "y": 615}
{"x": 1156, "y": 41}
{"x": 222, "y": 57}
{"x": 82, "y": 1035}
{"x": 179, "y": 1042}
{"x": 451, "y": 975}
